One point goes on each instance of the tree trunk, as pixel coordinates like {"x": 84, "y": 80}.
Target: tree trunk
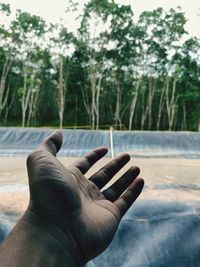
{"x": 61, "y": 92}
{"x": 133, "y": 104}
{"x": 3, "y": 91}
{"x": 94, "y": 72}
{"x": 117, "y": 117}
{"x": 98, "y": 89}
{"x": 25, "y": 98}
{"x": 184, "y": 121}
{"x": 161, "y": 104}
{"x": 86, "y": 103}
{"x": 8, "y": 107}
{"x": 93, "y": 104}
{"x": 152, "y": 86}
{"x": 35, "y": 105}
{"x": 33, "y": 101}
{"x": 171, "y": 102}
{"x": 144, "y": 110}
{"x": 30, "y": 107}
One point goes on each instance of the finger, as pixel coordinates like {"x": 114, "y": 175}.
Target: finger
{"x": 115, "y": 190}
{"x": 53, "y": 142}
{"x": 126, "y": 200}
{"x": 85, "y": 163}
{"x": 104, "y": 175}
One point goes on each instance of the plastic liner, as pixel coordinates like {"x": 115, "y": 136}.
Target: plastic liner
{"x": 156, "y": 234}
{"x": 21, "y": 141}
{"x": 152, "y": 234}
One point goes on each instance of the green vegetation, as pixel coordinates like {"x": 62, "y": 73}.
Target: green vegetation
{"x": 114, "y": 71}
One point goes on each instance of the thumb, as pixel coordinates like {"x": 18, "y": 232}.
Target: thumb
{"x": 35, "y": 160}
{"x": 53, "y": 142}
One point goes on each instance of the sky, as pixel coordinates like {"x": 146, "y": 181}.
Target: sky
{"x": 52, "y": 10}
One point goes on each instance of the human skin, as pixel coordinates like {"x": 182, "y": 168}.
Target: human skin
{"x": 69, "y": 219}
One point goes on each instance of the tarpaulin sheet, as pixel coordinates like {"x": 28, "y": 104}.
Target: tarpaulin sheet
{"x": 156, "y": 234}
{"x": 152, "y": 234}
{"x": 21, "y": 141}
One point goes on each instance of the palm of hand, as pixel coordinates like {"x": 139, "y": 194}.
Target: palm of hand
{"x": 67, "y": 199}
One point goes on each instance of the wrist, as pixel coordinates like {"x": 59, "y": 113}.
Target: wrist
{"x": 63, "y": 242}
{"x": 36, "y": 242}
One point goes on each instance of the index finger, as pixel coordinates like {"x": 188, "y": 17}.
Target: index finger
{"x": 86, "y": 162}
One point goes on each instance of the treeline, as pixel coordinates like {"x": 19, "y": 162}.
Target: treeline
{"x": 114, "y": 71}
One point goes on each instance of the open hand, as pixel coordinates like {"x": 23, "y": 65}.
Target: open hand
{"x": 77, "y": 205}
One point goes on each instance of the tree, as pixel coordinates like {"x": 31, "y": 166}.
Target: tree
{"x": 28, "y": 32}
{"x": 93, "y": 42}
{"x": 114, "y": 71}
{"x": 187, "y": 62}
{"x": 61, "y": 47}
{"x": 162, "y": 31}
{"x": 6, "y": 57}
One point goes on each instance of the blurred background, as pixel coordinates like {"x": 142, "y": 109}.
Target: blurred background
{"x": 125, "y": 74}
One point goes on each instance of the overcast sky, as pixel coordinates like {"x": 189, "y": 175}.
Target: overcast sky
{"x": 52, "y": 10}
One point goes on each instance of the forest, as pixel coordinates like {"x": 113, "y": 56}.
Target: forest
{"x": 114, "y": 71}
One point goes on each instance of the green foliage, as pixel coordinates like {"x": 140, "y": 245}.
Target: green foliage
{"x": 116, "y": 56}
{"x": 5, "y": 8}
{"x": 26, "y": 23}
